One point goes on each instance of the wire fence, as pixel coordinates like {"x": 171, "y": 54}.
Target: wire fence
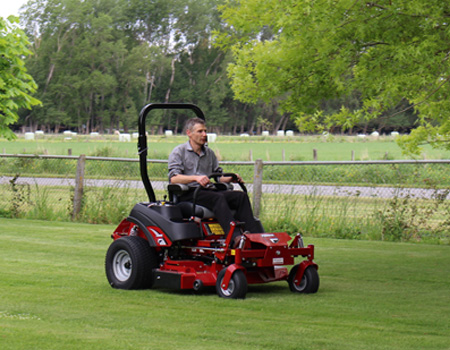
{"x": 389, "y": 200}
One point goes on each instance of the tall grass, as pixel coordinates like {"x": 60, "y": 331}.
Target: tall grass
{"x": 352, "y": 217}
{"x": 108, "y": 204}
{"x": 320, "y": 216}
{"x": 42, "y": 209}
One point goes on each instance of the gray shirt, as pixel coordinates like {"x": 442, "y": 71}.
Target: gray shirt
{"x": 183, "y": 160}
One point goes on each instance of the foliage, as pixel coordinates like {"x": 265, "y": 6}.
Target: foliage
{"x": 300, "y": 53}
{"x": 98, "y": 62}
{"x": 16, "y": 85}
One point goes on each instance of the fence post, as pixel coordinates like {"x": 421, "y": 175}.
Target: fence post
{"x": 79, "y": 186}
{"x": 257, "y": 187}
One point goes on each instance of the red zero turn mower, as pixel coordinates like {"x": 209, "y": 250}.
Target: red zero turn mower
{"x": 172, "y": 244}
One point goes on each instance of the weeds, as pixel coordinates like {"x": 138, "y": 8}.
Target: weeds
{"x": 34, "y": 202}
{"x": 20, "y": 196}
{"x": 407, "y": 218}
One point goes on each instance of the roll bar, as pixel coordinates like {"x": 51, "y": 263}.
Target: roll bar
{"x": 142, "y": 139}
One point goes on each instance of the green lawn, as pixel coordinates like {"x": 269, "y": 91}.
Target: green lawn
{"x": 373, "y": 295}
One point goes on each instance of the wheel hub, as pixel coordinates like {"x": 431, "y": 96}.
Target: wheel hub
{"x": 122, "y": 265}
{"x": 230, "y": 290}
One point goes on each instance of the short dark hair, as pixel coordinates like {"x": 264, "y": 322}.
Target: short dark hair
{"x": 192, "y": 122}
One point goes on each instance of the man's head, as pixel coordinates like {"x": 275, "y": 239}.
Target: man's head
{"x": 196, "y": 131}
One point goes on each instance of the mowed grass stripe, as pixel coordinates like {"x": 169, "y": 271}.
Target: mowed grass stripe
{"x": 373, "y": 295}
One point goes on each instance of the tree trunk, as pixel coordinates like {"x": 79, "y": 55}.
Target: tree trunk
{"x": 278, "y": 124}
{"x": 172, "y": 78}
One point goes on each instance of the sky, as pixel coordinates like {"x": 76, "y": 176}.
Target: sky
{"x": 10, "y": 7}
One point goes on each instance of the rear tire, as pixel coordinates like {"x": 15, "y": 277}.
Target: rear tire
{"x": 129, "y": 263}
{"x": 237, "y": 288}
{"x": 309, "y": 282}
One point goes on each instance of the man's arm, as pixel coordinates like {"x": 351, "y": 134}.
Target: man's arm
{"x": 203, "y": 180}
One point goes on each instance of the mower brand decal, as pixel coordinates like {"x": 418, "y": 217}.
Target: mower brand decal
{"x": 157, "y": 234}
{"x": 267, "y": 235}
{"x": 278, "y": 261}
{"x": 159, "y": 237}
{"x": 274, "y": 240}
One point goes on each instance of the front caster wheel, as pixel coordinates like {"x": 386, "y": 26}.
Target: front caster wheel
{"x": 309, "y": 282}
{"x": 237, "y": 288}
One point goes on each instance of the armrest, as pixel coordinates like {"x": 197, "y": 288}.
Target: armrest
{"x": 177, "y": 189}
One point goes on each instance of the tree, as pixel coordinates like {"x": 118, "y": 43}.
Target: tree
{"x": 16, "y": 84}
{"x": 97, "y": 62}
{"x": 301, "y": 52}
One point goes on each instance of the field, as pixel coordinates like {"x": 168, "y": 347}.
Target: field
{"x": 228, "y": 148}
{"x": 373, "y": 295}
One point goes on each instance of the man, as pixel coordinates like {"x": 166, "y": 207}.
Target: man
{"x": 192, "y": 162}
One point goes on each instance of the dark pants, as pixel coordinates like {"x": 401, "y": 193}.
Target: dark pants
{"x": 222, "y": 202}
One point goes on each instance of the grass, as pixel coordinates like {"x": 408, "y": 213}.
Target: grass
{"x": 373, "y": 295}
{"x": 228, "y": 148}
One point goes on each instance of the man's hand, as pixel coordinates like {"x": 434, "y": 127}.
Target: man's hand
{"x": 203, "y": 180}
{"x": 229, "y": 179}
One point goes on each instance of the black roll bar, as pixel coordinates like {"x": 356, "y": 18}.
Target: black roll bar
{"x": 142, "y": 139}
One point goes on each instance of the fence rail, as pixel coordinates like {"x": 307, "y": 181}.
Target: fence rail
{"x": 403, "y": 199}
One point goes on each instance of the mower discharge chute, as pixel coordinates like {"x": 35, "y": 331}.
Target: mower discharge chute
{"x": 173, "y": 244}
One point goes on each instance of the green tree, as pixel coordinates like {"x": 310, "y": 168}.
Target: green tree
{"x": 99, "y": 61}
{"x": 16, "y": 84}
{"x": 302, "y": 52}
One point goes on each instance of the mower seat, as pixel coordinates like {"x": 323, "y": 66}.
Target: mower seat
{"x": 200, "y": 211}
{"x": 175, "y": 191}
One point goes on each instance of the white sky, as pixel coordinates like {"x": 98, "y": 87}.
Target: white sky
{"x": 10, "y": 7}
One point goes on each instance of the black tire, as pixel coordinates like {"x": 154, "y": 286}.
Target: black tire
{"x": 237, "y": 288}
{"x": 309, "y": 282}
{"x": 129, "y": 263}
